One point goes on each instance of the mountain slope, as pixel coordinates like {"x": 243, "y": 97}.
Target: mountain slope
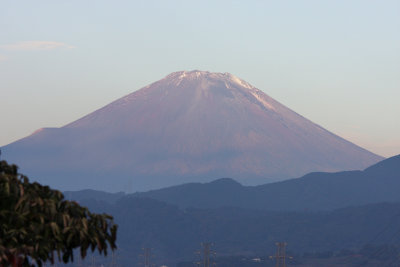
{"x": 189, "y": 126}
{"x": 314, "y": 191}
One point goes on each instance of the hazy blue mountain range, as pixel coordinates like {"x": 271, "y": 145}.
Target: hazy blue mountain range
{"x": 318, "y": 213}
{"x": 314, "y": 191}
{"x": 175, "y": 234}
{"x": 93, "y": 194}
{"x": 188, "y": 127}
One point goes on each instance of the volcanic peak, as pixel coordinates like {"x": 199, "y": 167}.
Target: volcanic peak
{"x": 191, "y": 126}
{"x": 178, "y": 76}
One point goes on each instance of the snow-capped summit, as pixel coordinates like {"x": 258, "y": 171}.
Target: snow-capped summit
{"x": 191, "y": 126}
{"x": 197, "y": 74}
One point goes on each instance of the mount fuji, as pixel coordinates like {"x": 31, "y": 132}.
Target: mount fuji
{"x": 191, "y": 126}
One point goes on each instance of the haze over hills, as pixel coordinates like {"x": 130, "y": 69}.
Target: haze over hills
{"x": 175, "y": 234}
{"x": 319, "y": 213}
{"x": 188, "y": 127}
{"x": 312, "y": 192}
{"x": 249, "y": 220}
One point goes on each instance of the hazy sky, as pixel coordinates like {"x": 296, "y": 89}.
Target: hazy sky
{"x": 335, "y": 62}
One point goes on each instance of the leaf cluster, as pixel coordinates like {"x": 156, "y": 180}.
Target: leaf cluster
{"x": 37, "y": 224}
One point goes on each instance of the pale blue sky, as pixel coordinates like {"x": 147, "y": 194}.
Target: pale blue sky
{"x": 335, "y": 62}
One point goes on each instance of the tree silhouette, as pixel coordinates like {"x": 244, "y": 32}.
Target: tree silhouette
{"x": 38, "y": 225}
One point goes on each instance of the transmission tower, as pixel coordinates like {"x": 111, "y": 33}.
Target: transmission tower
{"x": 205, "y": 255}
{"x": 280, "y": 255}
{"x": 147, "y": 255}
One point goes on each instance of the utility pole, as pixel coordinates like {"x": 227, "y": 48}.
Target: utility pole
{"x": 205, "y": 254}
{"x": 79, "y": 263}
{"x": 147, "y": 257}
{"x": 280, "y": 255}
{"x": 93, "y": 261}
{"x": 113, "y": 260}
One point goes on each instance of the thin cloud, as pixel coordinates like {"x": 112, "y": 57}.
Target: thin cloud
{"x": 36, "y": 46}
{"x": 3, "y": 58}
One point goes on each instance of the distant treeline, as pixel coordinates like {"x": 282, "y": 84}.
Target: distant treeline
{"x": 175, "y": 234}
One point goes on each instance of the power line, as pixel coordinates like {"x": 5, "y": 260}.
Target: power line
{"x": 384, "y": 229}
{"x": 392, "y": 239}
{"x": 376, "y": 237}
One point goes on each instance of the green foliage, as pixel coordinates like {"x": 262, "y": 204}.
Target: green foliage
{"x": 37, "y": 224}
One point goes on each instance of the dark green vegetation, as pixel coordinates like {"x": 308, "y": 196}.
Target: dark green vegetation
{"x": 36, "y": 223}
